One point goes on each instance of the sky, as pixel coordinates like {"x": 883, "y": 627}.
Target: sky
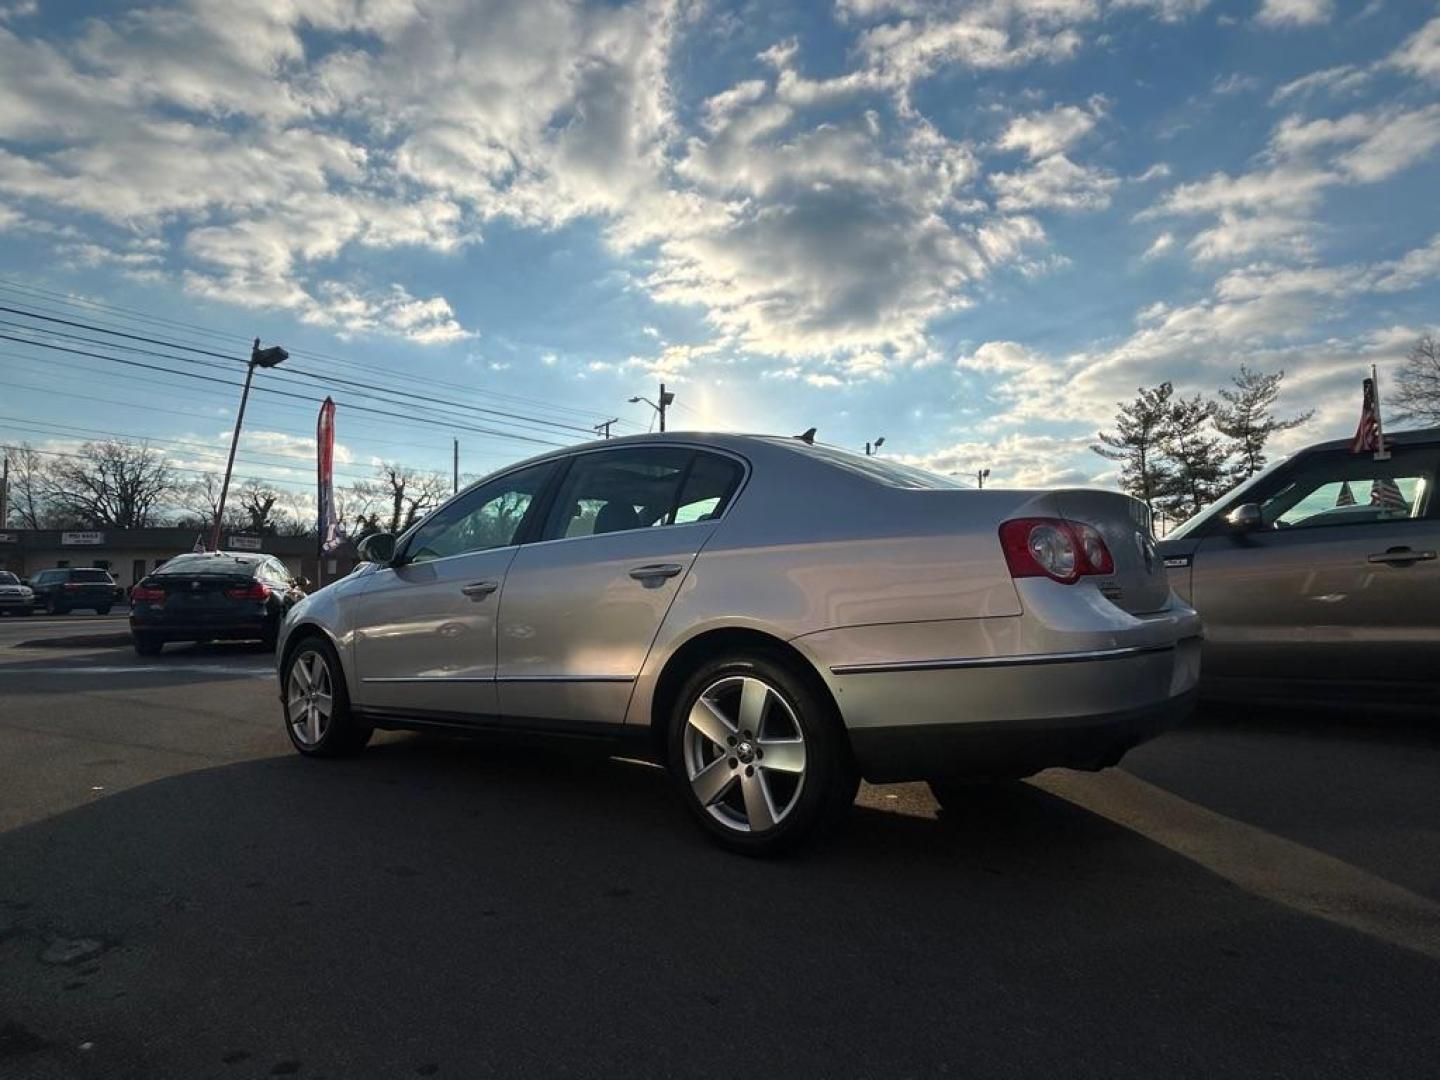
{"x": 968, "y": 226}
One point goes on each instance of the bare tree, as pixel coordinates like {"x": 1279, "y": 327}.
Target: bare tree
{"x": 111, "y": 484}
{"x": 257, "y": 506}
{"x": 1417, "y": 393}
{"x": 1136, "y": 443}
{"x": 26, "y": 501}
{"x": 397, "y": 498}
{"x": 1247, "y": 420}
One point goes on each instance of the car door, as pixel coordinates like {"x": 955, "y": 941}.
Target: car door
{"x": 425, "y": 626}
{"x": 582, "y": 605}
{"x": 1340, "y": 583}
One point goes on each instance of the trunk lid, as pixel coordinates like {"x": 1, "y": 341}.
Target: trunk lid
{"x": 200, "y": 592}
{"x": 1139, "y": 583}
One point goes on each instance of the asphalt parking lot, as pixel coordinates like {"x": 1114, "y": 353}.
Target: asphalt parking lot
{"x": 182, "y": 896}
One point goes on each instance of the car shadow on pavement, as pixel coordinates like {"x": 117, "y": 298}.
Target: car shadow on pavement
{"x": 476, "y": 909}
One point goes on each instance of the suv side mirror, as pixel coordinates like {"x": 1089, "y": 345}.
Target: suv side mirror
{"x": 1246, "y": 517}
{"x": 378, "y": 548}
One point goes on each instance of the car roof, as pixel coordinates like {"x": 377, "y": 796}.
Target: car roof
{"x": 1414, "y": 437}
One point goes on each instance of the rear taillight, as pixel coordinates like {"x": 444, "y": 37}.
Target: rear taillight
{"x": 1064, "y": 551}
{"x": 147, "y": 594}
{"x": 253, "y": 591}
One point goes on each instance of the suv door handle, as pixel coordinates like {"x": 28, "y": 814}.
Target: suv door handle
{"x": 1402, "y": 556}
{"x": 655, "y": 571}
{"x": 478, "y": 590}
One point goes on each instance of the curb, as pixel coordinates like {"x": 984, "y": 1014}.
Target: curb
{"x": 74, "y": 641}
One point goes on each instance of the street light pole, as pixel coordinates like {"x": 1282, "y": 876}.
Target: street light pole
{"x": 667, "y": 398}
{"x": 874, "y": 448}
{"x": 259, "y": 357}
{"x": 980, "y": 477}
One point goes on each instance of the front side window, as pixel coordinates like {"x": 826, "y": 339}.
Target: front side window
{"x": 486, "y": 517}
{"x": 619, "y": 490}
{"x": 1351, "y": 489}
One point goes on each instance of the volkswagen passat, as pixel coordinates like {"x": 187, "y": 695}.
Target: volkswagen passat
{"x": 770, "y": 619}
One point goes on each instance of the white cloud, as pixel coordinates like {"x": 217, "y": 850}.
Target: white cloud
{"x": 1295, "y": 12}
{"x": 1236, "y": 235}
{"x": 1338, "y": 80}
{"x": 1162, "y": 243}
{"x": 1041, "y": 134}
{"x": 1420, "y": 53}
{"x": 1166, "y": 10}
{"x": 1057, "y": 183}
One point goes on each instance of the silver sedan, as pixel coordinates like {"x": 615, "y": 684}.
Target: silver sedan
{"x": 770, "y": 619}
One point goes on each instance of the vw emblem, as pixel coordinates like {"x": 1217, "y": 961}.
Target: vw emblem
{"x": 1146, "y": 547}
{"x": 194, "y": 584}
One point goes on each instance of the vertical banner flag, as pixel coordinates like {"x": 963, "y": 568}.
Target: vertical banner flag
{"x": 1367, "y": 433}
{"x": 331, "y": 530}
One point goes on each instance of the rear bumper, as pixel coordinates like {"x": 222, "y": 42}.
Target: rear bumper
{"x": 191, "y": 627}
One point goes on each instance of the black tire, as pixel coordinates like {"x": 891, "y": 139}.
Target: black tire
{"x": 103, "y": 610}
{"x": 342, "y": 734}
{"x": 148, "y": 644}
{"x": 52, "y": 607}
{"x": 28, "y": 611}
{"x": 815, "y": 804}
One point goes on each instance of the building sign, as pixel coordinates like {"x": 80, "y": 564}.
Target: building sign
{"x": 88, "y": 538}
{"x": 9, "y": 538}
{"x": 243, "y": 543}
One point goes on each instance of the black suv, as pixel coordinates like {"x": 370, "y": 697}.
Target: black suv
{"x": 67, "y": 588}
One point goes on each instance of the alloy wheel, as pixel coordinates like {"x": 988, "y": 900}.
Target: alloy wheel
{"x": 310, "y": 698}
{"x": 744, "y": 753}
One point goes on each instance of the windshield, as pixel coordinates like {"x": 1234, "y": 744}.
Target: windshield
{"x": 1228, "y": 499}
{"x": 91, "y": 576}
{"x": 7, "y": 578}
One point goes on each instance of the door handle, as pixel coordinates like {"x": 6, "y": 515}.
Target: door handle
{"x": 656, "y": 571}
{"x": 478, "y": 590}
{"x": 1402, "y": 555}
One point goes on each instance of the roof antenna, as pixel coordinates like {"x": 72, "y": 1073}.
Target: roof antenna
{"x": 807, "y": 436}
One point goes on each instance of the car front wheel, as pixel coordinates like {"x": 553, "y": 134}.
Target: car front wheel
{"x": 317, "y": 707}
{"x": 759, "y": 754}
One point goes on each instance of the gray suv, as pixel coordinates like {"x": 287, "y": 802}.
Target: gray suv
{"x": 1320, "y": 578}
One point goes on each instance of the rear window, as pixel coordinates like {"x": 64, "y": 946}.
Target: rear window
{"x": 206, "y": 564}
{"x": 90, "y": 576}
{"x": 889, "y": 473}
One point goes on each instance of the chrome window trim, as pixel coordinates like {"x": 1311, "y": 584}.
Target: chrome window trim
{"x": 958, "y": 663}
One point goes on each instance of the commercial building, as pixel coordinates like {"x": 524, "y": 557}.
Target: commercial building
{"x": 130, "y": 554}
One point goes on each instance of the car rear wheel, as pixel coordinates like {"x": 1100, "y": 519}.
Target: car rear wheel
{"x": 53, "y": 607}
{"x": 148, "y": 644}
{"x": 317, "y": 707}
{"x": 103, "y": 610}
{"x": 759, "y": 755}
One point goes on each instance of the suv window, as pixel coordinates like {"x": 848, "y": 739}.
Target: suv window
{"x": 486, "y": 517}
{"x": 44, "y": 577}
{"x": 619, "y": 490}
{"x": 1337, "y": 488}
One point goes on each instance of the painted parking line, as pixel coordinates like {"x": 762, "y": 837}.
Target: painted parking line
{"x": 264, "y": 672}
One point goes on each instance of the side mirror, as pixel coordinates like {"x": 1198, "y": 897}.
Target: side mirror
{"x": 378, "y": 548}
{"x": 1246, "y": 517}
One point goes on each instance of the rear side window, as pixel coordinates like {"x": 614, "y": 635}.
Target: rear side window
{"x": 90, "y": 576}
{"x": 618, "y": 491}
{"x": 708, "y": 489}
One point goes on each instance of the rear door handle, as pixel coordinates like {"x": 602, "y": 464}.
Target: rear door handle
{"x": 656, "y": 571}
{"x": 1402, "y": 555}
{"x": 478, "y": 590}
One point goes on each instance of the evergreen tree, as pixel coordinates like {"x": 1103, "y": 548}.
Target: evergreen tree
{"x": 1247, "y": 420}
{"x": 1197, "y": 458}
{"x": 1135, "y": 443}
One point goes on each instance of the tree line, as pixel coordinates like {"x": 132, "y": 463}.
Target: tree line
{"x": 113, "y": 484}
{"x": 1179, "y": 454}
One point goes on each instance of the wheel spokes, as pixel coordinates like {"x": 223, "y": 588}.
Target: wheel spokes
{"x": 753, "y": 696}
{"x": 759, "y": 810}
{"x": 712, "y": 782}
{"x": 783, "y": 755}
{"x": 710, "y": 722}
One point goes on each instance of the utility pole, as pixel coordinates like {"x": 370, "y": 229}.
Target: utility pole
{"x": 666, "y": 400}
{"x": 455, "y": 468}
{"x": 980, "y": 477}
{"x": 5, "y": 492}
{"x": 603, "y": 428}
{"x": 266, "y": 358}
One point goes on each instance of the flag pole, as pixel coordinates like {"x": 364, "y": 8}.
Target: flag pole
{"x": 1381, "y": 454}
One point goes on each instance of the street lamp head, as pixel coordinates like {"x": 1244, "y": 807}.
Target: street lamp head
{"x": 635, "y": 400}
{"x": 267, "y": 358}
{"x": 879, "y": 442}
{"x": 667, "y": 398}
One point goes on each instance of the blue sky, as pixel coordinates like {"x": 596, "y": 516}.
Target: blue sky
{"x": 969, "y": 226}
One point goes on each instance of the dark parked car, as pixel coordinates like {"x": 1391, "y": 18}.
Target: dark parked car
{"x": 15, "y": 595}
{"x": 1320, "y": 578}
{"x": 67, "y": 588}
{"x": 213, "y": 595}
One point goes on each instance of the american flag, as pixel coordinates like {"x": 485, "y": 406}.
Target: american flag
{"x": 1385, "y": 493}
{"x": 1367, "y": 435}
{"x": 1346, "y": 496}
